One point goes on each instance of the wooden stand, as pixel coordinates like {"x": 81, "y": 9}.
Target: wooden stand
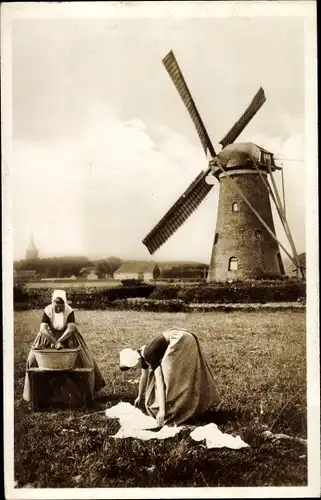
{"x": 60, "y": 388}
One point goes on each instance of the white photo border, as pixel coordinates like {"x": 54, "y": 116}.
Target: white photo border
{"x": 300, "y": 9}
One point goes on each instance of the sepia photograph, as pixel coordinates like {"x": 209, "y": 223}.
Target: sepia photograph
{"x": 160, "y": 250}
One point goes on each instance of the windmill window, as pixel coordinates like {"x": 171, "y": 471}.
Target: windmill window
{"x": 232, "y": 264}
{"x": 235, "y": 207}
{"x": 258, "y": 235}
{"x": 216, "y": 238}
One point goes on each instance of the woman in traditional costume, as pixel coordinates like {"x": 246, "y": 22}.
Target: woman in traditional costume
{"x": 175, "y": 377}
{"x": 58, "y": 330}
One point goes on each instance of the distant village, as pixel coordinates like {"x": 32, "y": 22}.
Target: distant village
{"x": 73, "y": 269}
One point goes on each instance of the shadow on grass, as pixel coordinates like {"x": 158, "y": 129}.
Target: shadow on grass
{"x": 217, "y": 416}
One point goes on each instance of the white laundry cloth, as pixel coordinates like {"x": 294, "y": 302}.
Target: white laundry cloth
{"x": 217, "y": 439}
{"x": 135, "y": 424}
{"x": 145, "y": 435}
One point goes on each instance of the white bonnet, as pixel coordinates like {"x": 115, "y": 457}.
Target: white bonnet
{"x": 61, "y": 294}
{"x": 128, "y": 357}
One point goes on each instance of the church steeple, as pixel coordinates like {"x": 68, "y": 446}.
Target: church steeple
{"x": 32, "y": 251}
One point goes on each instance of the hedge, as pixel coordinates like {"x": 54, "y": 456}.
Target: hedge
{"x": 20, "y": 293}
{"x": 168, "y": 292}
{"x": 118, "y": 297}
{"x": 255, "y": 292}
{"x": 81, "y": 297}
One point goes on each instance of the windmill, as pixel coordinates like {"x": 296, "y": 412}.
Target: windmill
{"x": 245, "y": 244}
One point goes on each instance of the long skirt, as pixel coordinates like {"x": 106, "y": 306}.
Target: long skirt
{"x": 189, "y": 383}
{"x": 85, "y": 359}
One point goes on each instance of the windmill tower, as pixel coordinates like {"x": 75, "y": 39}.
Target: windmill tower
{"x": 243, "y": 248}
{"x": 32, "y": 251}
{"x": 245, "y": 245}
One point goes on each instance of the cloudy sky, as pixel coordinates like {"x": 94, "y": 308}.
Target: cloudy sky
{"x": 103, "y": 145}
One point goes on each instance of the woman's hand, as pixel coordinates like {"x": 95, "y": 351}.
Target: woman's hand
{"x": 138, "y": 402}
{"x": 160, "y": 418}
{"x": 58, "y": 345}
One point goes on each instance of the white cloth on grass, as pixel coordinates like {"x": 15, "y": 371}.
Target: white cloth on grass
{"x": 215, "y": 438}
{"x": 145, "y": 435}
{"x": 135, "y": 424}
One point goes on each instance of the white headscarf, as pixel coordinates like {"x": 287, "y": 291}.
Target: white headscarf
{"x": 128, "y": 357}
{"x": 61, "y": 294}
{"x": 58, "y": 320}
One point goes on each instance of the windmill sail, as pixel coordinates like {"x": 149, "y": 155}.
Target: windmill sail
{"x": 179, "y": 212}
{"x": 256, "y": 103}
{"x": 176, "y": 75}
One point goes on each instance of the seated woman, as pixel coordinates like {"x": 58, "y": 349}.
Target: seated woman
{"x": 175, "y": 377}
{"x": 58, "y": 330}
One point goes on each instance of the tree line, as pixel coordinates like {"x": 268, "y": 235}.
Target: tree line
{"x": 65, "y": 267}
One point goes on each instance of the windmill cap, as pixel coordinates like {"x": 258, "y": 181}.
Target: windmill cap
{"x": 244, "y": 155}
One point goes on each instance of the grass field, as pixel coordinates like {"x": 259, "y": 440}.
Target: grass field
{"x": 259, "y": 362}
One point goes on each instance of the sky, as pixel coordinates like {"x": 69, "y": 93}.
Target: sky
{"x": 103, "y": 145}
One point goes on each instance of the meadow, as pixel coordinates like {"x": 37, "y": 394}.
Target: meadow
{"x": 259, "y": 362}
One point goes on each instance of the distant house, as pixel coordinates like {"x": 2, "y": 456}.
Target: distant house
{"x": 88, "y": 273}
{"x": 145, "y": 271}
{"x": 26, "y": 275}
{"x": 291, "y": 268}
{"x": 92, "y": 276}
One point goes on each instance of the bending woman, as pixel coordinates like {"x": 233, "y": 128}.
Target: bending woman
{"x": 175, "y": 377}
{"x": 58, "y": 330}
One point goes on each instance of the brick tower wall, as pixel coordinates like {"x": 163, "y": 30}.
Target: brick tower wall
{"x": 241, "y": 235}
